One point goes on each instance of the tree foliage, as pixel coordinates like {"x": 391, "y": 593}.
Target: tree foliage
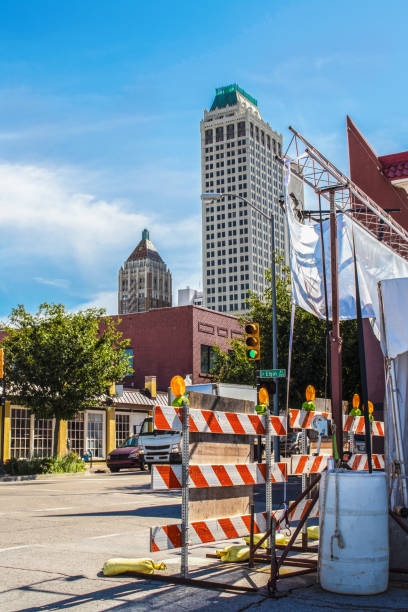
{"x": 310, "y": 364}
{"x": 60, "y": 363}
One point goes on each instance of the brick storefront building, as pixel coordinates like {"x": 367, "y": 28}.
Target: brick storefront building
{"x": 169, "y": 341}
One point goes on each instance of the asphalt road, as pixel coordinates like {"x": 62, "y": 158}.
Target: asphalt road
{"x": 55, "y": 535}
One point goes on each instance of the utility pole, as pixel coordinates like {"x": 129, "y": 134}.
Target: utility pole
{"x": 335, "y": 338}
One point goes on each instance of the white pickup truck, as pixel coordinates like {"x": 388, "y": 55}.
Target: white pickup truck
{"x": 160, "y": 446}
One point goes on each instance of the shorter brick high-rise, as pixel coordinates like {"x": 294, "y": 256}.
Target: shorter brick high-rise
{"x": 144, "y": 280}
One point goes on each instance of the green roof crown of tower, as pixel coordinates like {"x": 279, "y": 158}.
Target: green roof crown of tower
{"x": 227, "y": 96}
{"x": 145, "y": 249}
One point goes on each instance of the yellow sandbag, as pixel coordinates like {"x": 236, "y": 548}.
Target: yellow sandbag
{"x": 279, "y": 539}
{"x": 238, "y": 552}
{"x": 257, "y": 537}
{"x": 313, "y": 533}
{"x": 112, "y": 567}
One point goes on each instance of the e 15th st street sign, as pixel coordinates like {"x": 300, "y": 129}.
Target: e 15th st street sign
{"x": 272, "y": 373}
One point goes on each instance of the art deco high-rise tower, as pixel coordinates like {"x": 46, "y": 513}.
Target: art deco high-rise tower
{"x": 238, "y": 150}
{"x": 144, "y": 280}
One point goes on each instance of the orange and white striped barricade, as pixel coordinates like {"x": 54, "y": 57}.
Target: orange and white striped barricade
{"x": 200, "y": 476}
{"x": 360, "y": 462}
{"x": 212, "y": 421}
{"x": 299, "y": 512}
{"x": 356, "y": 425}
{"x": 215, "y": 530}
{"x": 308, "y": 464}
{"x": 302, "y": 419}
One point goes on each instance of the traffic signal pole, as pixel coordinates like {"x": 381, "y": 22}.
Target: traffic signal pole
{"x": 274, "y": 338}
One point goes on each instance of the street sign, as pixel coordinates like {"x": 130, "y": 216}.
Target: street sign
{"x": 272, "y": 373}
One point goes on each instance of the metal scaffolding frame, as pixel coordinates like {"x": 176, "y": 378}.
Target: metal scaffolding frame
{"x": 316, "y": 171}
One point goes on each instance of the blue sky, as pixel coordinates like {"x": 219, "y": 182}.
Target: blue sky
{"x": 100, "y": 104}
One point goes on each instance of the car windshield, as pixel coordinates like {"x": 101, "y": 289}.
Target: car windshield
{"x": 130, "y": 442}
{"x": 158, "y": 432}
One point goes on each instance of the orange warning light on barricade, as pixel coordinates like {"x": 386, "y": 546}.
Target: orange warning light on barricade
{"x": 356, "y": 400}
{"x": 263, "y": 396}
{"x": 370, "y": 407}
{"x": 177, "y": 386}
{"x": 310, "y": 393}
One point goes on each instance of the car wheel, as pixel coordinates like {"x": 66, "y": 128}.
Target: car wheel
{"x": 114, "y": 469}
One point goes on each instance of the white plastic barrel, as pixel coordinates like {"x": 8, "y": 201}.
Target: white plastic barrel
{"x": 355, "y": 562}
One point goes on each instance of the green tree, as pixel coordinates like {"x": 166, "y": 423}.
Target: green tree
{"x": 310, "y": 364}
{"x": 233, "y": 366}
{"x": 60, "y": 363}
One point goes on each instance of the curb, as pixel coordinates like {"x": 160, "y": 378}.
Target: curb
{"x": 31, "y": 477}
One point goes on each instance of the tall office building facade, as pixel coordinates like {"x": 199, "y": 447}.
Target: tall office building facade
{"x": 238, "y": 150}
{"x": 144, "y": 280}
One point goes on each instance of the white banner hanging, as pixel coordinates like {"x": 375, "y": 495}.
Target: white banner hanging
{"x": 375, "y": 261}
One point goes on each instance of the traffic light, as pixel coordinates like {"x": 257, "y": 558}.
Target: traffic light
{"x": 253, "y": 342}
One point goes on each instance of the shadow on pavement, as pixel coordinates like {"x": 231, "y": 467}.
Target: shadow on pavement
{"x": 165, "y": 511}
{"x": 172, "y": 597}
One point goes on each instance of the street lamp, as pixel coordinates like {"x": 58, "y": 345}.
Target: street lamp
{"x": 218, "y": 197}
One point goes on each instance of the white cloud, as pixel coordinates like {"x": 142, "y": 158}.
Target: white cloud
{"x": 62, "y": 283}
{"x": 69, "y": 128}
{"x": 104, "y": 299}
{"x": 84, "y": 239}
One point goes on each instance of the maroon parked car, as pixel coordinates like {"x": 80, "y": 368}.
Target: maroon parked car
{"x": 128, "y": 455}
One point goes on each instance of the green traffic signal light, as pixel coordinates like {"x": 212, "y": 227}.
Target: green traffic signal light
{"x": 252, "y": 341}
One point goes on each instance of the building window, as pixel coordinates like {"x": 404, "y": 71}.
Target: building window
{"x": 20, "y": 433}
{"x": 95, "y": 439}
{"x": 122, "y": 421}
{"x": 207, "y": 358}
{"x": 219, "y": 134}
{"x": 24, "y": 445}
{"x": 230, "y": 131}
{"x": 208, "y": 136}
{"x": 241, "y": 128}
{"x": 43, "y": 430}
{"x": 76, "y": 434}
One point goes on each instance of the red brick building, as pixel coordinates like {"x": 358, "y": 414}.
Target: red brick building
{"x": 169, "y": 341}
{"x": 385, "y": 180}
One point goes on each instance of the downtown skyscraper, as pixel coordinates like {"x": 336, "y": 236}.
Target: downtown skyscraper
{"x": 144, "y": 280}
{"x": 238, "y": 158}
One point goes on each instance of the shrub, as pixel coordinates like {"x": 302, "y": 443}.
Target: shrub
{"x": 45, "y": 465}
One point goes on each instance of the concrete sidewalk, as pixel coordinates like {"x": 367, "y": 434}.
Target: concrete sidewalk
{"x": 293, "y": 598}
